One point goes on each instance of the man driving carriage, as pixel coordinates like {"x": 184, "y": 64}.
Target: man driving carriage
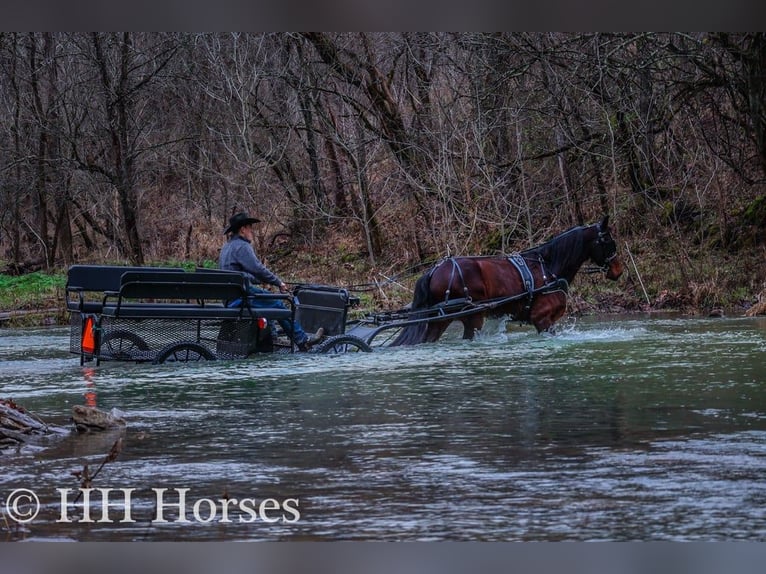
{"x": 238, "y": 255}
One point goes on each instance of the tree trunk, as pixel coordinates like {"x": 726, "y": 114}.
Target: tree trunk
{"x": 117, "y": 103}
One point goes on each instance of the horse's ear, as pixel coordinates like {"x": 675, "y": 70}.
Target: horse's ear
{"x": 604, "y": 225}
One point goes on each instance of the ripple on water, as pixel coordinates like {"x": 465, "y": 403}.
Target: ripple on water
{"x": 636, "y": 429}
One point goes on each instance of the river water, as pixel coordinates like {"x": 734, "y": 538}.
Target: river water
{"x": 638, "y": 428}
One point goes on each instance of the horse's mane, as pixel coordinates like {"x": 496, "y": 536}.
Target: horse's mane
{"x": 564, "y": 251}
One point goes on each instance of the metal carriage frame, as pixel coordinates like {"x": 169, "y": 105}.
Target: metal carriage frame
{"x": 159, "y": 315}
{"x": 387, "y": 324}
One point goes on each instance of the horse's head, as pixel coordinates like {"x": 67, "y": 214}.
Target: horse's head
{"x": 604, "y": 251}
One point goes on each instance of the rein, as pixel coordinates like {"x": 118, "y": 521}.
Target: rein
{"x": 592, "y": 269}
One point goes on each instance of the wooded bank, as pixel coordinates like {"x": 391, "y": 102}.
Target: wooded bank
{"x": 380, "y": 151}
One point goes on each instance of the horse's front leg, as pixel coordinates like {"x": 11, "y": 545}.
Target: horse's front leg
{"x": 546, "y": 310}
{"x": 471, "y": 325}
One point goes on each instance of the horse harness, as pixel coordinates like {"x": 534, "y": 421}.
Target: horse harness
{"x": 455, "y": 269}
{"x": 519, "y": 262}
{"x": 548, "y": 286}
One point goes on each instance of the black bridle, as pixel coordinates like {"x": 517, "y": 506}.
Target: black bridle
{"x": 603, "y": 252}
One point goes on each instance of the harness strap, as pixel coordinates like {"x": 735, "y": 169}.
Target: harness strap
{"x": 541, "y": 261}
{"x": 526, "y": 275}
{"x": 455, "y": 268}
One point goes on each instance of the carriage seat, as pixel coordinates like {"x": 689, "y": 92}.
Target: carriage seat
{"x": 323, "y": 306}
{"x": 86, "y": 284}
{"x": 187, "y": 295}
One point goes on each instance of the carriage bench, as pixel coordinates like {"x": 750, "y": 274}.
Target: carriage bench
{"x": 190, "y": 295}
{"x": 87, "y": 284}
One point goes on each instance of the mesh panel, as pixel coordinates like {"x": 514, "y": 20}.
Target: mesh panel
{"x": 145, "y": 339}
{"x": 75, "y": 333}
{"x": 238, "y": 339}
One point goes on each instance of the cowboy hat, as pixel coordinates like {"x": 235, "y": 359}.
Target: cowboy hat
{"x": 239, "y": 220}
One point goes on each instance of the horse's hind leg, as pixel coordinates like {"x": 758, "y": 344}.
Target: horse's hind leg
{"x": 435, "y": 330}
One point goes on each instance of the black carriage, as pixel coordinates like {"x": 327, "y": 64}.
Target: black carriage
{"x": 161, "y": 314}
{"x": 168, "y": 314}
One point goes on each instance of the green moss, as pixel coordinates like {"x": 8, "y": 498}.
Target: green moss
{"x": 18, "y": 292}
{"x": 755, "y": 212}
{"x": 209, "y": 264}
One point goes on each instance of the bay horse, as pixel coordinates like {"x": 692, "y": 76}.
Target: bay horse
{"x": 530, "y": 287}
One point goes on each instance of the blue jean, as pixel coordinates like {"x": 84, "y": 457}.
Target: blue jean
{"x": 298, "y": 334}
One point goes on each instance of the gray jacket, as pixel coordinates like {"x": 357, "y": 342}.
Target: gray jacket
{"x": 239, "y": 255}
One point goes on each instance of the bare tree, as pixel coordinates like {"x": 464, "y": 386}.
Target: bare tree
{"x": 115, "y": 132}
{"x": 140, "y": 146}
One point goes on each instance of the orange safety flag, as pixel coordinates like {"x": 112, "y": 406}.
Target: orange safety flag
{"x": 88, "y": 343}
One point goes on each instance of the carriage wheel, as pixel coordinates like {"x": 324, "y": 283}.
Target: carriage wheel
{"x": 185, "y": 352}
{"x": 341, "y": 344}
{"x": 122, "y": 345}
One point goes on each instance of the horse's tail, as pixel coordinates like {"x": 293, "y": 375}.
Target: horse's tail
{"x": 415, "y": 334}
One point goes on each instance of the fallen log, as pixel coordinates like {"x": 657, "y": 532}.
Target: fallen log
{"x": 6, "y": 315}
{"x": 18, "y": 426}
